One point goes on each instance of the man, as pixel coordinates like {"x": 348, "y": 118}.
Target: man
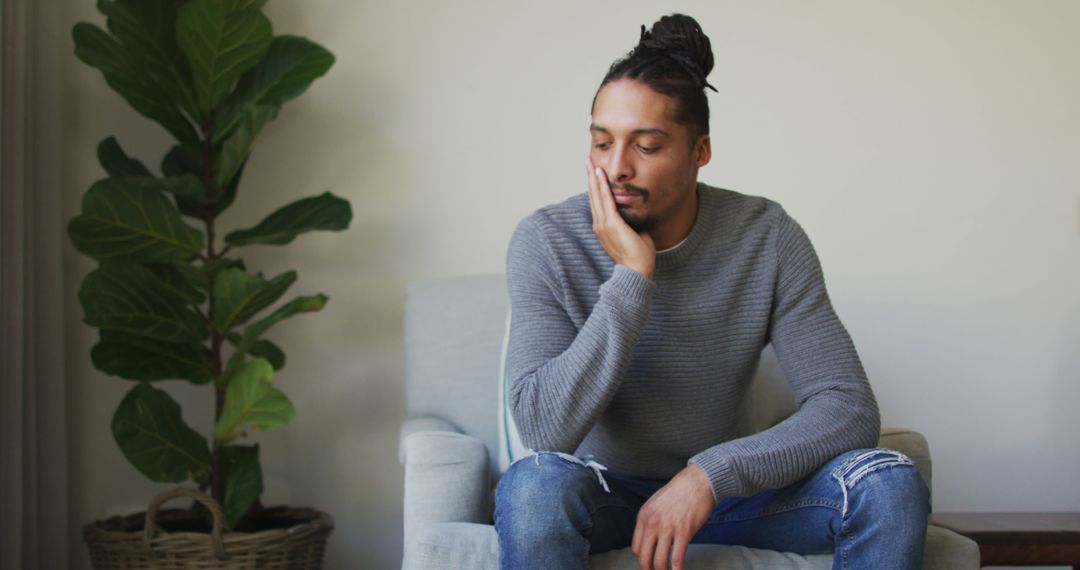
{"x": 639, "y": 312}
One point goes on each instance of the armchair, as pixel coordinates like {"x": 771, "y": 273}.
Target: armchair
{"x": 449, "y": 442}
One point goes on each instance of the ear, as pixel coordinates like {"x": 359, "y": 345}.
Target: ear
{"x": 703, "y": 151}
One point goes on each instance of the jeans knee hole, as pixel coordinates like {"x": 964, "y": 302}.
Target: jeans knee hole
{"x": 867, "y": 462}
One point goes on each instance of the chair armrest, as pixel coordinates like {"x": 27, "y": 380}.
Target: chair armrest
{"x": 947, "y": 550}
{"x": 415, "y": 425}
{"x": 912, "y": 444}
{"x": 446, "y": 477}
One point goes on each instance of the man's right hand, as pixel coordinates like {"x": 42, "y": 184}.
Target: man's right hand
{"x": 627, "y": 247}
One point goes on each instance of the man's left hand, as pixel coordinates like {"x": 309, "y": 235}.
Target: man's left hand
{"x": 670, "y": 518}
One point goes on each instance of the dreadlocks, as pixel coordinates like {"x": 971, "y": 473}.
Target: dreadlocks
{"x": 673, "y": 59}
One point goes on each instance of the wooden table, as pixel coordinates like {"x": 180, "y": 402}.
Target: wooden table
{"x": 1020, "y": 539}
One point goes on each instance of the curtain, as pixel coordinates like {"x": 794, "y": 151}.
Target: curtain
{"x": 33, "y": 445}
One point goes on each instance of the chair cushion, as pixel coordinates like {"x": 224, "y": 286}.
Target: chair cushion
{"x": 453, "y": 546}
{"x": 715, "y": 557}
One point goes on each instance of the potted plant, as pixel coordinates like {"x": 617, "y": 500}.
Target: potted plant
{"x": 171, "y": 297}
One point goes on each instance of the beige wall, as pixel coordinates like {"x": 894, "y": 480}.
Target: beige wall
{"x": 929, "y": 149}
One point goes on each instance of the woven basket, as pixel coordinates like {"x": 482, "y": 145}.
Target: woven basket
{"x": 136, "y": 542}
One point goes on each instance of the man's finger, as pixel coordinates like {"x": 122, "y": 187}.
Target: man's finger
{"x": 594, "y": 205}
{"x": 599, "y": 214}
{"x": 663, "y": 551}
{"x": 606, "y": 199}
{"x": 678, "y": 553}
{"x": 640, "y": 543}
{"x": 645, "y": 549}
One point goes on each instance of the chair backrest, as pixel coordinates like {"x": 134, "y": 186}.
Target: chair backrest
{"x": 453, "y": 335}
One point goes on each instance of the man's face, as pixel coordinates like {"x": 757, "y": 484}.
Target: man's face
{"x": 649, "y": 159}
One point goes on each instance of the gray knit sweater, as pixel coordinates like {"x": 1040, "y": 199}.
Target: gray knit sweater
{"x": 647, "y": 376}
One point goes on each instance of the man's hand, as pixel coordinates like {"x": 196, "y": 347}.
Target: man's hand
{"x": 670, "y": 518}
{"x": 623, "y": 244}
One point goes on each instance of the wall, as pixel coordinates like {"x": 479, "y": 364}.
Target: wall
{"x": 928, "y": 148}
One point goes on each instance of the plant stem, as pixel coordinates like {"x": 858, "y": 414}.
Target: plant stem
{"x": 217, "y": 489}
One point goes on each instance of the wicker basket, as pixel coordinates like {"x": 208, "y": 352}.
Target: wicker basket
{"x": 136, "y": 541}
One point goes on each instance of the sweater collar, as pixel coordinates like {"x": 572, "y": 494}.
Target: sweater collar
{"x": 674, "y": 256}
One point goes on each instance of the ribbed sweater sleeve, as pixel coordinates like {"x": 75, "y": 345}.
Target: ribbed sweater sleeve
{"x": 562, "y": 379}
{"x": 836, "y": 407}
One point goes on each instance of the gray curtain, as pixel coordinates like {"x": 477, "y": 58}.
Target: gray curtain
{"x": 33, "y": 445}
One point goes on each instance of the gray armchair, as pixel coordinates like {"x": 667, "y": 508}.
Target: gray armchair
{"x": 449, "y": 443}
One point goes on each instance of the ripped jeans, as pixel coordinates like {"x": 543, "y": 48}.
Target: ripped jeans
{"x": 869, "y": 507}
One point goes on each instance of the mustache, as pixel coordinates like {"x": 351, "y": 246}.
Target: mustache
{"x": 632, "y": 188}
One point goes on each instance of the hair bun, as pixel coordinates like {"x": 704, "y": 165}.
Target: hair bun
{"x": 680, "y": 38}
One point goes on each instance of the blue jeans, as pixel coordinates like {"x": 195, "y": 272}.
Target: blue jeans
{"x": 868, "y": 507}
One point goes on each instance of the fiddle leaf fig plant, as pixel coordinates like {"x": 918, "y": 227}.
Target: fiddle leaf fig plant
{"x": 171, "y": 298}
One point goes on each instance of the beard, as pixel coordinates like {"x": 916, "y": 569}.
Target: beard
{"x": 638, "y": 223}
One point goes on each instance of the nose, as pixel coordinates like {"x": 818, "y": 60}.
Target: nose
{"x": 620, "y": 166}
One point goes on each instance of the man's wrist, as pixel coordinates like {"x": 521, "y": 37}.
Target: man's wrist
{"x": 702, "y": 479}
{"x": 644, "y": 271}
{"x": 648, "y": 274}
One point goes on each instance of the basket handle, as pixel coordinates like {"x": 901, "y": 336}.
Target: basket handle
{"x": 206, "y": 500}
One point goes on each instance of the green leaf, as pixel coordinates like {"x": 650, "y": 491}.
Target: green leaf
{"x": 209, "y": 271}
{"x": 243, "y": 480}
{"x": 221, "y": 39}
{"x": 270, "y": 351}
{"x": 124, "y": 74}
{"x": 136, "y": 357}
{"x": 188, "y": 192}
{"x": 188, "y": 160}
{"x": 153, "y": 436}
{"x": 186, "y": 186}
{"x": 180, "y": 278}
{"x": 238, "y": 295}
{"x": 186, "y": 189}
{"x": 235, "y": 150}
{"x": 322, "y": 212}
{"x": 289, "y": 67}
{"x": 228, "y": 194}
{"x": 130, "y": 218}
{"x": 128, "y": 298}
{"x": 250, "y": 399}
{"x": 254, "y": 331}
{"x": 116, "y": 162}
{"x": 147, "y": 28}
{"x": 181, "y": 160}
{"x": 291, "y": 64}
{"x": 263, "y": 348}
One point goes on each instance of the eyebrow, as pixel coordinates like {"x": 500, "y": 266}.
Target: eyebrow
{"x": 653, "y": 131}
